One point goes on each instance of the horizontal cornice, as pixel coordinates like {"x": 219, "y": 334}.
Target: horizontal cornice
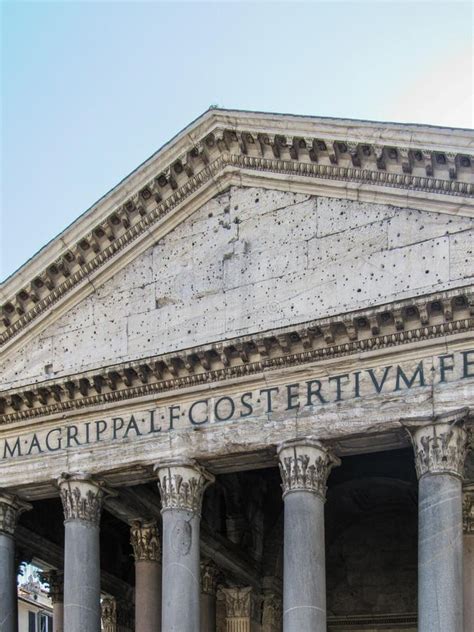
{"x": 419, "y": 165}
{"x": 431, "y": 317}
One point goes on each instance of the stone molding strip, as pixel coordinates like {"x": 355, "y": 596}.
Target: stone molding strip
{"x": 425, "y": 318}
{"x": 357, "y": 160}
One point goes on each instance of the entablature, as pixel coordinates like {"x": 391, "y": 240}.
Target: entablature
{"x": 430, "y": 317}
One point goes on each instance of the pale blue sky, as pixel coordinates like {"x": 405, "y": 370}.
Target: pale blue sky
{"x": 91, "y": 89}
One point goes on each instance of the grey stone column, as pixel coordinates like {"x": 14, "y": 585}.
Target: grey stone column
{"x": 181, "y": 484}
{"x": 55, "y": 580}
{"x": 209, "y": 576}
{"x": 145, "y": 541}
{"x": 243, "y": 610}
{"x": 468, "y": 559}
{"x": 108, "y": 614}
{"x": 10, "y": 510}
{"x": 82, "y": 500}
{"x": 440, "y": 450}
{"x": 305, "y": 465}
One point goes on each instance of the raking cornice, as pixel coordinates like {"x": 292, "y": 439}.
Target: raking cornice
{"x": 421, "y": 167}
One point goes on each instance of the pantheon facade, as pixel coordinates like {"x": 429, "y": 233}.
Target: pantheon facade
{"x": 237, "y": 393}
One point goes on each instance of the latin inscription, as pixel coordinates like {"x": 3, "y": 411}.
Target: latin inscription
{"x": 265, "y": 401}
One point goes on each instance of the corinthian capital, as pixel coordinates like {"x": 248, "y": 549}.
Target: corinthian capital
{"x": 440, "y": 448}
{"x": 209, "y": 576}
{"x": 55, "y": 581}
{"x": 182, "y": 484}
{"x": 11, "y": 508}
{"x": 468, "y": 509}
{"x": 241, "y": 603}
{"x": 82, "y": 498}
{"x": 108, "y": 609}
{"x": 145, "y": 540}
{"x": 305, "y": 465}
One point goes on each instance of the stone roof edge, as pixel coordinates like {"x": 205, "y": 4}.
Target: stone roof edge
{"x": 342, "y": 129}
{"x": 413, "y": 320}
{"x": 385, "y": 156}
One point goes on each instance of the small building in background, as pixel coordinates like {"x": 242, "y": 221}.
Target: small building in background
{"x": 35, "y": 611}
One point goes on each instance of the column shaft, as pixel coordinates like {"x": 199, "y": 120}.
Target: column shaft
{"x": 440, "y": 450}
{"x": 82, "y": 503}
{"x": 145, "y": 540}
{"x": 440, "y": 554}
{"x": 147, "y": 596}
{"x": 305, "y": 465}
{"x": 208, "y": 613}
{"x": 10, "y": 509}
{"x": 181, "y": 484}
{"x": 468, "y": 564}
{"x": 58, "y": 616}
{"x": 209, "y": 576}
{"x": 81, "y": 577}
{"x": 8, "y": 597}
{"x": 181, "y": 585}
{"x": 304, "y": 574}
{"x": 468, "y": 557}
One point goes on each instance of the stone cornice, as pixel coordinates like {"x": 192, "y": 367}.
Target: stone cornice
{"x": 413, "y": 320}
{"x": 384, "y": 157}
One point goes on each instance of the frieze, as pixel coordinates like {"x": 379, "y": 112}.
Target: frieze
{"x": 182, "y": 484}
{"x": 387, "y": 166}
{"x": 430, "y": 317}
{"x": 145, "y": 540}
{"x": 81, "y": 497}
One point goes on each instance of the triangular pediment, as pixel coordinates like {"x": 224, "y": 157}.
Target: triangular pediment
{"x": 185, "y": 232}
{"x": 248, "y": 261}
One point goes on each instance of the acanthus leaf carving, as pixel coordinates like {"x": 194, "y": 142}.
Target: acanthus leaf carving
{"x": 440, "y": 448}
{"x": 145, "y": 541}
{"x": 82, "y": 498}
{"x": 182, "y": 484}
{"x": 305, "y": 465}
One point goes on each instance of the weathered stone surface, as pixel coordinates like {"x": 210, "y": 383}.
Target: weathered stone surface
{"x": 249, "y": 260}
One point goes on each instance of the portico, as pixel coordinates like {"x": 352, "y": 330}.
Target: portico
{"x": 241, "y": 398}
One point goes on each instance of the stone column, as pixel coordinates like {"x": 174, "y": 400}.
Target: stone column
{"x": 108, "y": 611}
{"x": 145, "y": 541}
{"x": 440, "y": 450}
{"x": 243, "y": 610}
{"x": 468, "y": 558}
{"x": 10, "y": 510}
{"x": 304, "y": 465}
{"x": 82, "y": 500}
{"x": 55, "y": 580}
{"x": 272, "y": 613}
{"x": 209, "y": 576}
{"x": 181, "y": 484}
